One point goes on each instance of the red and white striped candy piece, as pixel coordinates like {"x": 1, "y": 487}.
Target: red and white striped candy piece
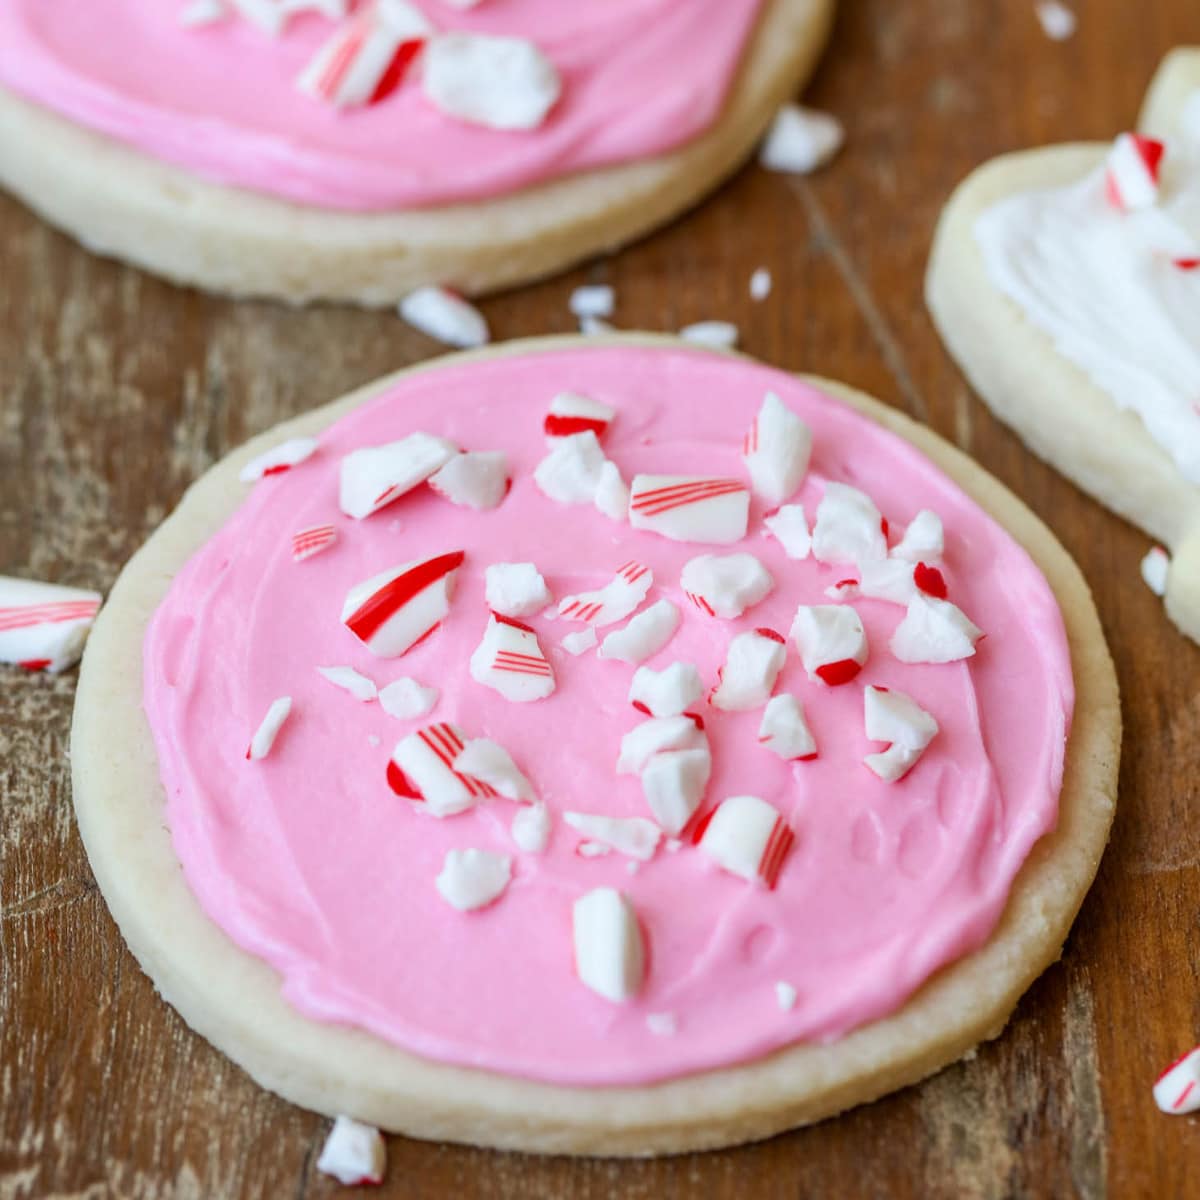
{"x": 477, "y": 479}
{"x": 690, "y": 508}
{"x": 392, "y": 611}
{"x": 784, "y": 730}
{"x": 278, "y": 459}
{"x": 610, "y": 955}
{"x": 746, "y": 836}
{"x": 614, "y": 601}
{"x": 573, "y": 470}
{"x": 923, "y": 540}
{"x": 510, "y": 661}
{"x": 633, "y": 836}
{"x": 1177, "y": 1089}
{"x": 43, "y": 626}
{"x": 406, "y": 699}
{"x": 353, "y": 1154}
{"x": 498, "y": 82}
{"x": 673, "y": 783}
{"x": 1156, "y": 566}
{"x": 725, "y": 585}
{"x": 1132, "y": 171}
{"x": 472, "y": 879}
{"x": 268, "y": 729}
{"x": 644, "y": 636}
{"x": 530, "y": 828}
{"x": 934, "y": 631}
{"x": 489, "y": 762}
{"x": 655, "y": 736}
{"x": 445, "y": 316}
{"x": 422, "y": 768}
{"x": 831, "y": 641}
{"x": 789, "y": 527}
{"x": 516, "y": 589}
{"x": 897, "y": 719}
{"x": 848, "y": 528}
{"x": 666, "y": 693}
{"x": 752, "y": 665}
{"x": 352, "y": 681}
{"x": 311, "y": 541}
{"x": 374, "y": 476}
{"x": 776, "y": 450}
{"x": 571, "y": 413}
{"x": 612, "y": 493}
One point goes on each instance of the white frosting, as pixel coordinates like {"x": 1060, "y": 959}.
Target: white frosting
{"x": 1104, "y": 286}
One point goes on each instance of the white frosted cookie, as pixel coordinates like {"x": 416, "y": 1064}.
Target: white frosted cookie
{"x": 526, "y": 134}
{"x": 688, "y": 852}
{"x": 1066, "y": 281}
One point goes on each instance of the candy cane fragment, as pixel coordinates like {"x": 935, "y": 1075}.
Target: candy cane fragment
{"x": 848, "y": 528}
{"x": 490, "y": 763}
{"x": 446, "y": 317}
{"x": 395, "y": 610}
{"x": 789, "y": 527}
{"x": 831, "y": 641}
{"x": 725, "y": 585}
{"x": 634, "y": 836}
{"x": 202, "y": 12}
{"x": 690, "y": 508}
{"x": 1155, "y": 568}
{"x": 1177, "y": 1089}
{"x": 609, "y": 951}
{"x": 278, "y": 459}
{"x": 752, "y": 665}
{"x": 934, "y": 631}
{"x": 516, "y": 589}
{"x": 613, "y": 602}
{"x": 353, "y": 1154}
{"x": 644, "y": 636}
{"x": 422, "y": 768}
{"x": 473, "y": 879}
{"x": 477, "y": 479}
{"x": 573, "y": 470}
{"x": 1131, "y": 174}
{"x": 653, "y": 737}
{"x": 718, "y": 335}
{"x": 571, "y": 413}
{"x": 612, "y": 493}
{"x": 593, "y": 300}
{"x": 406, "y": 699}
{"x": 897, "y": 719}
{"x": 350, "y": 680}
{"x": 311, "y": 541}
{"x": 374, "y": 476}
{"x": 746, "y": 836}
{"x": 666, "y": 693}
{"x": 510, "y": 661}
{"x": 800, "y": 140}
{"x": 784, "y": 730}
{"x": 43, "y": 626}
{"x": 776, "y": 450}
{"x": 530, "y": 828}
{"x": 923, "y": 540}
{"x": 673, "y": 784}
{"x": 268, "y": 729}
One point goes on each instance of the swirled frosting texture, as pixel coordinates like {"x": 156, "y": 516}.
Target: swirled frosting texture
{"x": 308, "y": 861}
{"x": 221, "y": 101}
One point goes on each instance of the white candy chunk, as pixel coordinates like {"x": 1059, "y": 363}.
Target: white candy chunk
{"x": 498, "y": 82}
{"x": 760, "y": 284}
{"x": 609, "y": 954}
{"x": 489, "y": 762}
{"x": 746, "y": 836}
{"x": 516, "y": 589}
{"x": 593, "y": 850}
{"x": 591, "y": 326}
{"x": 662, "y": 1024}
{"x": 422, "y": 768}
{"x": 789, "y": 527}
{"x": 669, "y": 692}
{"x": 531, "y": 828}
{"x": 934, "y": 631}
{"x": 510, "y": 661}
{"x": 831, "y": 641}
{"x": 477, "y": 480}
{"x": 354, "y": 1154}
{"x": 848, "y": 528}
{"x": 1155, "y": 568}
{"x": 1177, "y": 1089}
{"x": 445, "y": 317}
{"x": 652, "y": 737}
{"x": 614, "y": 601}
{"x": 268, "y": 15}
{"x": 898, "y": 719}
{"x": 350, "y": 680}
{"x": 784, "y": 731}
{"x": 923, "y": 540}
{"x": 593, "y": 300}
{"x": 571, "y": 413}
{"x": 392, "y": 611}
{"x": 402, "y": 17}
{"x": 278, "y": 459}
{"x": 1057, "y": 20}
{"x": 785, "y": 996}
{"x": 43, "y": 626}
{"x": 571, "y": 473}
{"x": 725, "y": 585}
{"x": 776, "y": 450}
{"x": 887, "y": 579}
{"x": 690, "y": 508}
{"x": 349, "y": 67}
{"x": 634, "y": 836}
{"x": 644, "y": 636}
{"x": 673, "y": 783}
{"x": 472, "y": 879}
{"x": 202, "y": 12}
{"x": 406, "y": 699}
{"x": 612, "y": 493}
{"x": 268, "y": 730}
{"x": 720, "y": 335}
{"x": 1132, "y": 171}
{"x": 752, "y": 665}
{"x": 800, "y": 140}
{"x": 580, "y": 642}
{"x": 376, "y": 475}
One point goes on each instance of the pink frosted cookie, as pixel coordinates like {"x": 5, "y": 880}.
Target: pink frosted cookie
{"x": 663, "y": 753}
{"x": 359, "y": 149}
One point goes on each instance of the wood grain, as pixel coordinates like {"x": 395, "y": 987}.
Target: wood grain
{"x": 116, "y": 391}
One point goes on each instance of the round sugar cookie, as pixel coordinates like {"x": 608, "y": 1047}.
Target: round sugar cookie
{"x": 196, "y": 156}
{"x": 736, "y": 924}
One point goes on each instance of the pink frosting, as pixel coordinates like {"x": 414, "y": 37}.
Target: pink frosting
{"x": 308, "y": 860}
{"x": 221, "y": 100}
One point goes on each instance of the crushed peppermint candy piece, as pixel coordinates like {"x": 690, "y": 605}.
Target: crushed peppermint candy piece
{"x": 634, "y": 836}
{"x": 350, "y": 680}
{"x": 595, "y": 326}
{"x": 784, "y": 730}
{"x": 1132, "y": 172}
{"x": 719, "y": 335}
{"x": 612, "y": 493}
{"x": 516, "y": 589}
{"x": 892, "y": 579}
{"x": 422, "y": 768}
{"x": 311, "y": 541}
{"x": 690, "y": 508}
{"x": 472, "y": 879}
{"x": 202, "y": 12}
{"x": 789, "y": 527}
{"x": 593, "y": 300}
{"x": 644, "y": 636}
{"x": 278, "y": 459}
{"x": 831, "y": 641}
{"x": 406, "y": 699}
{"x": 593, "y": 850}
{"x": 800, "y": 140}
{"x": 897, "y": 719}
{"x": 395, "y": 610}
{"x": 354, "y": 1154}
{"x": 571, "y": 413}
{"x": 579, "y": 642}
{"x": 268, "y": 729}
{"x": 43, "y": 626}
{"x": 609, "y": 953}
{"x": 760, "y": 284}
{"x": 666, "y": 693}
{"x": 725, "y": 585}
{"x": 1057, "y": 20}
{"x": 530, "y": 828}
{"x": 477, "y": 479}
{"x": 785, "y": 996}
{"x": 571, "y": 472}
{"x": 510, "y": 661}
{"x": 752, "y": 665}
{"x": 934, "y": 631}
{"x": 673, "y": 783}
{"x": 488, "y": 761}
{"x": 653, "y": 737}
{"x": 446, "y": 317}
{"x": 746, "y": 836}
{"x": 1177, "y": 1089}
{"x": 848, "y": 528}
{"x": 923, "y": 540}
{"x": 1155, "y": 568}
{"x": 503, "y": 83}
{"x": 776, "y": 450}
{"x": 614, "y": 601}
{"x": 372, "y": 477}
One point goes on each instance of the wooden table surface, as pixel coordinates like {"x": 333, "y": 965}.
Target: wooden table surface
{"x": 116, "y": 391}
